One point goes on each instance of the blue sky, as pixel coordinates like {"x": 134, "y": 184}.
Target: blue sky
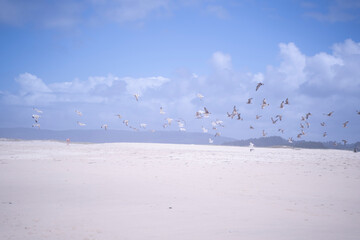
{"x": 93, "y": 55}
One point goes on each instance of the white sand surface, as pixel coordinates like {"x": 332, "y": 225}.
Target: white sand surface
{"x": 49, "y": 190}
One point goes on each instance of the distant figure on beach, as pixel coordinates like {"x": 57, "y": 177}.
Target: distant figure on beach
{"x": 251, "y": 145}
{"x": 67, "y": 141}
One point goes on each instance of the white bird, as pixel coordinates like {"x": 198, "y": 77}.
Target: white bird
{"x": 126, "y": 122}
{"x": 290, "y": 140}
{"x": 35, "y": 117}
{"x": 104, "y": 126}
{"x": 211, "y": 141}
{"x": 136, "y": 95}
{"x": 217, "y": 134}
{"x": 78, "y": 112}
{"x": 182, "y": 129}
{"x": 37, "y": 110}
{"x": 207, "y": 113}
{"x": 251, "y": 146}
{"x": 169, "y": 120}
{"x": 118, "y": 115}
{"x": 36, "y": 125}
{"x": 324, "y": 134}
{"x": 264, "y": 133}
{"x": 162, "y": 110}
{"x": 143, "y": 125}
{"x": 258, "y": 116}
{"x": 80, "y": 123}
{"x": 282, "y": 104}
{"x": 200, "y": 96}
{"x": 264, "y": 104}
{"x": 204, "y": 129}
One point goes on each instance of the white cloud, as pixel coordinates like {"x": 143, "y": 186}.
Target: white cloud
{"x": 139, "y": 85}
{"x": 96, "y": 89}
{"x": 221, "y": 61}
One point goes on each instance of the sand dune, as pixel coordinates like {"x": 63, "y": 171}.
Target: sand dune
{"x": 50, "y": 190}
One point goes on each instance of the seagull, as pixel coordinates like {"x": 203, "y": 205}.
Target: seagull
{"x": 217, "y": 134}
{"x": 36, "y": 125}
{"x": 279, "y": 116}
{"x": 264, "y": 104}
{"x": 329, "y": 114}
{"x": 182, "y": 129}
{"x": 180, "y": 124}
{"x": 211, "y": 141}
{"x": 302, "y": 126}
{"x": 200, "y": 96}
{"x": 307, "y": 124}
{"x": 302, "y": 118}
{"x": 264, "y": 133}
{"x": 251, "y": 146}
{"x": 344, "y": 141}
{"x": 322, "y": 124}
{"x": 118, "y": 115}
{"x": 345, "y": 124}
{"x": 299, "y": 135}
{"x": 80, "y": 123}
{"x": 78, "y": 112}
{"x": 169, "y": 120}
{"x": 290, "y": 140}
{"x": 162, "y": 110}
{"x": 204, "y": 129}
{"x": 219, "y": 123}
{"x": 287, "y": 101}
{"x": 105, "y": 126}
{"x": 136, "y": 95}
{"x": 239, "y": 117}
{"x": 249, "y": 101}
{"x": 358, "y": 112}
{"x": 199, "y": 114}
{"x": 324, "y": 134}
{"x": 281, "y": 130}
{"x": 126, "y": 122}
{"x": 251, "y": 127}
{"x": 258, "y": 85}
{"x": 258, "y": 116}
{"x": 282, "y": 104}
{"x": 274, "y": 121}
{"x": 37, "y": 110}
{"x": 207, "y": 113}
{"x": 35, "y": 117}
{"x": 165, "y": 125}
{"x": 308, "y": 115}
{"x": 143, "y": 125}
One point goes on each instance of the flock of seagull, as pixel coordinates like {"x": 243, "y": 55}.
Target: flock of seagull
{"x": 216, "y": 124}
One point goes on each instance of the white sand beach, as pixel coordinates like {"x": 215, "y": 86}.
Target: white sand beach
{"x": 135, "y": 191}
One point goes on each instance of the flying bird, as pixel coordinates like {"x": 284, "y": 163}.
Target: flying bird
{"x": 239, "y": 117}
{"x": 136, "y": 95}
{"x": 182, "y": 129}
{"x": 358, "y": 112}
{"x": 274, "y": 121}
{"x": 251, "y": 127}
{"x": 258, "y": 116}
{"x": 211, "y": 141}
{"x": 204, "y": 129}
{"x": 264, "y": 104}
{"x": 80, "y": 123}
{"x": 35, "y": 117}
{"x": 322, "y": 124}
{"x": 281, "y": 130}
{"x": 264, "y": 133}
{"x": 217, "y": 134}
{"x": 282, "y": 104}
{"x": 169, "y": 120}
{"x": 290, "y": 140}
{"x": 126, "y": 122}
{"x": 143, "y": 125}
{"x": 258, "y": 86}
{"x": 249, "y": 101}
{"x": 37, "y": 110}
{"x": 36, "y": 125}
{"x": 200, "y": 96}
{"x": 329, "y": 114}
{"x": 104, "y": 126}
{"x": 324, "y": 134}
{"x": 307, "y": 115}
{"x": 287, "y": 101}
{"x": 279, "y": 116}
{"x": 345, "y": 124}
{"x": 344, "y": 141}
{"x": 162, "y": 110}
{"x": 78, "y": 112}
{"x": 118, "y": 115}
{"x": 207, "y": 113}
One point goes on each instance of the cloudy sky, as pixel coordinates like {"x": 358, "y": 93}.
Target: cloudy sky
{"x": 93, "y": 55}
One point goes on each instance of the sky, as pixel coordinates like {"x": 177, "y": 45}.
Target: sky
{"x": 94, "y": 55}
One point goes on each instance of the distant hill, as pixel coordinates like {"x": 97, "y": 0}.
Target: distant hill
{"x": 102, "y": 136}
{"x": 276, "y": 141}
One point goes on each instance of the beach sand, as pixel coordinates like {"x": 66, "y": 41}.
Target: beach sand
{"x": 135, "y": 191}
